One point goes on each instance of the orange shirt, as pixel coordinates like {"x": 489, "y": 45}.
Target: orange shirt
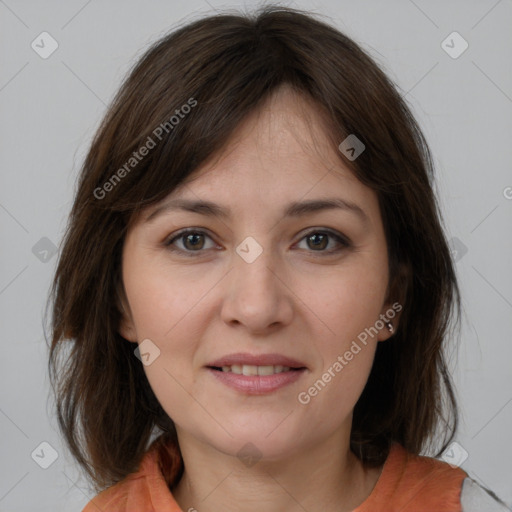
{"x": 407, "y": 483}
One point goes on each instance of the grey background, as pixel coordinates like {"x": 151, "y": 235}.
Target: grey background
{"x": 51, "y": 107}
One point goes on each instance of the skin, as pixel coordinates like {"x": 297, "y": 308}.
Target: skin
{"x": 295, "y": 299}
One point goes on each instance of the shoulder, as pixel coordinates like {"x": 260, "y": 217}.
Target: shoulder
{"x": 428, "y": 482}
{"x": 475, "y": 498}
{"x": 145, "y": 489}
{"x": 424, "y": 484}
{"x": 131, "y": 493}
{"x": 415, "y": 482}
{"x": 418, "y": 470}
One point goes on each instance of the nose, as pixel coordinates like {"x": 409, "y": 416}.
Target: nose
{"x": 257, "y": 295}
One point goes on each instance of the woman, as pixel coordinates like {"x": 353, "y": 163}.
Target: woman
{"x": 255, "y": 285}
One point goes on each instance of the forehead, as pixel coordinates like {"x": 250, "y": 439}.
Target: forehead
{"x": 280, "y": 154}
{"x": 283, "y": 145}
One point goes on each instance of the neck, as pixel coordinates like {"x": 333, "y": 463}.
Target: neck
{"x": 321, "y": 478}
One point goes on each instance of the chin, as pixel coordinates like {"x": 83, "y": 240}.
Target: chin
{"x": 255, "y": 444}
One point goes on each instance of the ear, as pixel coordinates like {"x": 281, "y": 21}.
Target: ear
{"x": 126, "y": 325}
{"x": 127, "y": 329}
{"x": 389, "y": 320}
{"x": 392, "y": 309}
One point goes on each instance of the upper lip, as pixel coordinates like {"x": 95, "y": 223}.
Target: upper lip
{"x": 257, "y": 360}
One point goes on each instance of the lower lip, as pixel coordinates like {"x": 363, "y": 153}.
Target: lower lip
{"x": 257, "y": 384}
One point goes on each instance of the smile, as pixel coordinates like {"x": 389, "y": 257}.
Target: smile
{"x": 249, "y": 369}
{"x": 256, "y": 380}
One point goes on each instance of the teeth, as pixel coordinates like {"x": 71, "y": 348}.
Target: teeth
{"x": 265, "y": 370}
{"x": 248, "y": 369}
{"x": 236, "y": 368}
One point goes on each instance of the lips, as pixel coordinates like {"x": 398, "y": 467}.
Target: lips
{"x": 244, "y": 359}
{"x": 255, "y": 370}
{"x": 256, "y": 374}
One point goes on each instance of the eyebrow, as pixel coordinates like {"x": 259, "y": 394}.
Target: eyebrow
{"x": 294, "y": 209}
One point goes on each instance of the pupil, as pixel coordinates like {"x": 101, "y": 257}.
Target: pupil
{"x": 315, "y": 237}
{"x": 190, "y": 237}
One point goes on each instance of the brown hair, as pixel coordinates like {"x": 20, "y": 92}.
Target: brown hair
{"x": 229, "y": 64}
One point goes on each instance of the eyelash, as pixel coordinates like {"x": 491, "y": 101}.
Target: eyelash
{"x": 345, "y": 242}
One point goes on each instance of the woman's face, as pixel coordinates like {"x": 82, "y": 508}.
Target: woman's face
{"x": 304, "y": 288}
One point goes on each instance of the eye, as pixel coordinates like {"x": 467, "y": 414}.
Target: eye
{"x": 193, "y": 241}
{"x": 318, "y": 240}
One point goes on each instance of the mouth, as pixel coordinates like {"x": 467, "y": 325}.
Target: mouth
{"x": 253, "y": 370}
{"x": 250, "y": 379}
{"x": 256, "y": 374}
{"x": 244, "y": 363}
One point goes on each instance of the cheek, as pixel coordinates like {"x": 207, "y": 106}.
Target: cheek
{"x": 346, "y": 362}
{"x": 161, "y": 297}
{"x": 345, "y": 306}
{"x": 167, "y": 306}
{"x": 347, "y": 302}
